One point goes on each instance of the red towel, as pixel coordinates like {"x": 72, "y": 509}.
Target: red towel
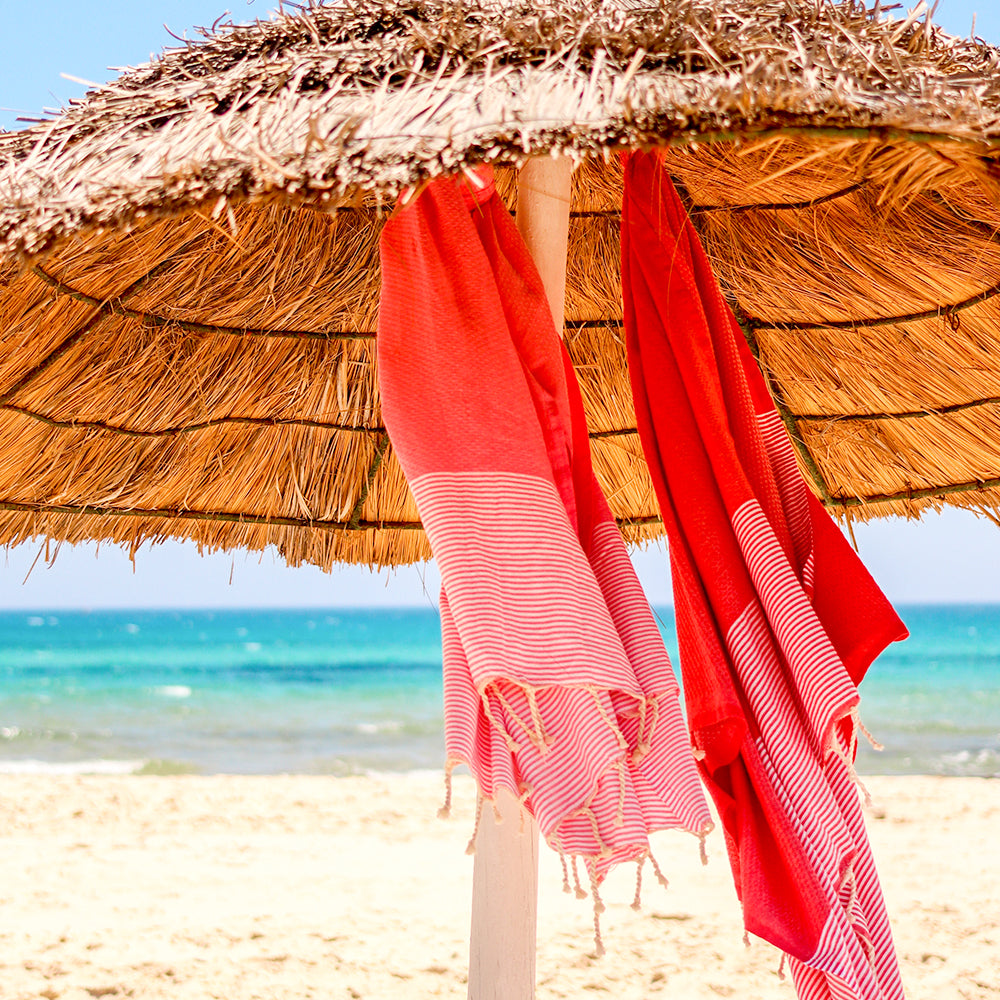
{"x": 557, "y": 682}
{"x": 777, "y": 618}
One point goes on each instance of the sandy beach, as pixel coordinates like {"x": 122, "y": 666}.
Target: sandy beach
{"x": 253, "y": 888}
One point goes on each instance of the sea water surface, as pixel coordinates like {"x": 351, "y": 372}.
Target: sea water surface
{"x": 349, "y": 691}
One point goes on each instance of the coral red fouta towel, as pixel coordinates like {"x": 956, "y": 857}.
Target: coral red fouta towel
{"x": 557, "y": 683}
{"x": 777, "y": 618}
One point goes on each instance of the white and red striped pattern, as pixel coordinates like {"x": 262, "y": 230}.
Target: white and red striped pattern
{"x": 777, "y": 618}
{"x": 557, "y": 683}
{"x": 815, "y": 671}
{"x": 793, "y": 491}
{"x": 820, "y": 797}
{"x": 524, "y": 613}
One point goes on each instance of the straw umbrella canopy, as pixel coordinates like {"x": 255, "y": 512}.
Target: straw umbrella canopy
{"x": 189, "y": 277}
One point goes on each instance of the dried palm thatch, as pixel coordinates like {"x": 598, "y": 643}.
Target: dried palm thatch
{"x": 189, "y": 274}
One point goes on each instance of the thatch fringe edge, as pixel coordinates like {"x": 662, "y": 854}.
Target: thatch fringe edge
{"x": 267, "y": 519}
{"x": 835, "y": 504}
{"x": 563, "y": 139}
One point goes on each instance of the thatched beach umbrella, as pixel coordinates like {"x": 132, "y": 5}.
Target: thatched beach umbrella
{"x": 189, "y": 282}
{"x": 190, "y": 275}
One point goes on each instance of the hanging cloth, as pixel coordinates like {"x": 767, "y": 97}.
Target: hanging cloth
{"x": 776, "y": 616}
{"x": 557, "y": 684}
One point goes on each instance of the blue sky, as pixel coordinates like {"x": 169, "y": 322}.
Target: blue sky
{"x": 951, "y": 557}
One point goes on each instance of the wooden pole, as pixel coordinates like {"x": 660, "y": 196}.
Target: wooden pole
{"x": 543, "y": 193}
{"x": 504, "y": 905}
{"x": 505, "y": 874}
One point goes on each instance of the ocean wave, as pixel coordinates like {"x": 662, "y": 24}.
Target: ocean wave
{"x": 109, "y": 767}
{"x": 173, "y": 691}
{"x": 372, "y": 728}
{"x": 35, "y": 621}
{"x": 984, "y": 762}
{"x": 968, "y": 762}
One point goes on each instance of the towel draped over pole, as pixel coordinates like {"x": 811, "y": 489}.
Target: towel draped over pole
{"x": 777, "y": 618}
{"x": 557, "y": 686}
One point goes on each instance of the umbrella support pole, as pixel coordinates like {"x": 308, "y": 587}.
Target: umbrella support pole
{"x": 505, "y": 875}
{"x": 504, "y": 904}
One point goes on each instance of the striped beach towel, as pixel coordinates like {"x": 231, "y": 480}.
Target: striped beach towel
{"x": 557, "y": 683}
{"x": 777, "y": 618}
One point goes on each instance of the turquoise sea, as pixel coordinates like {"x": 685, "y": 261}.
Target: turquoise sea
{"x": 347, "y": 691}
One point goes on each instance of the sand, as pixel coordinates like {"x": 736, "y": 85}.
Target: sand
{"x": 294, "y": 887}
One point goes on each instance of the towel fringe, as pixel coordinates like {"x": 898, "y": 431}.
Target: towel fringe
{"x": 636, "y": 900}
{"x": 569, "y": 860}
{"x": 522, "y": 806}
{"x": 611, "y": 724}
{"x": 654, "y": 704}
{"x": 649, "y": 708}
{"x": 581, "y": 893}
{"x": 860, "y": 727}
{"x": 851, "y": 884}
{"x": 591, "y": 865}
{"x": 868, "y": 947}
{"x": 660, "y": 877}
{"x": 598, "y": 907}
{"x": 449, "y": 766}
{"x": 544, "y": 743}
{"x": 565, "y": 870}
{"x": 620, "y": 811}
{"x": 847, "y": 756}
{"x": 470, "y": 848}
{"x": 533, "y": 730}
{"x": 534, "y": 734}
{"x": 606, "y": 850}
{"x": 863, "y": 788}
{"x": 494, "y": 700}
{"x": 512, "y": 744}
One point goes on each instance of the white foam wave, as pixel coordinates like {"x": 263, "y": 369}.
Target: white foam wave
{"x": 173, "y": 691}
{"x": 370, "y": 728}
{"x": 71, "y": 767}
{"x": 972, "y": 758}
